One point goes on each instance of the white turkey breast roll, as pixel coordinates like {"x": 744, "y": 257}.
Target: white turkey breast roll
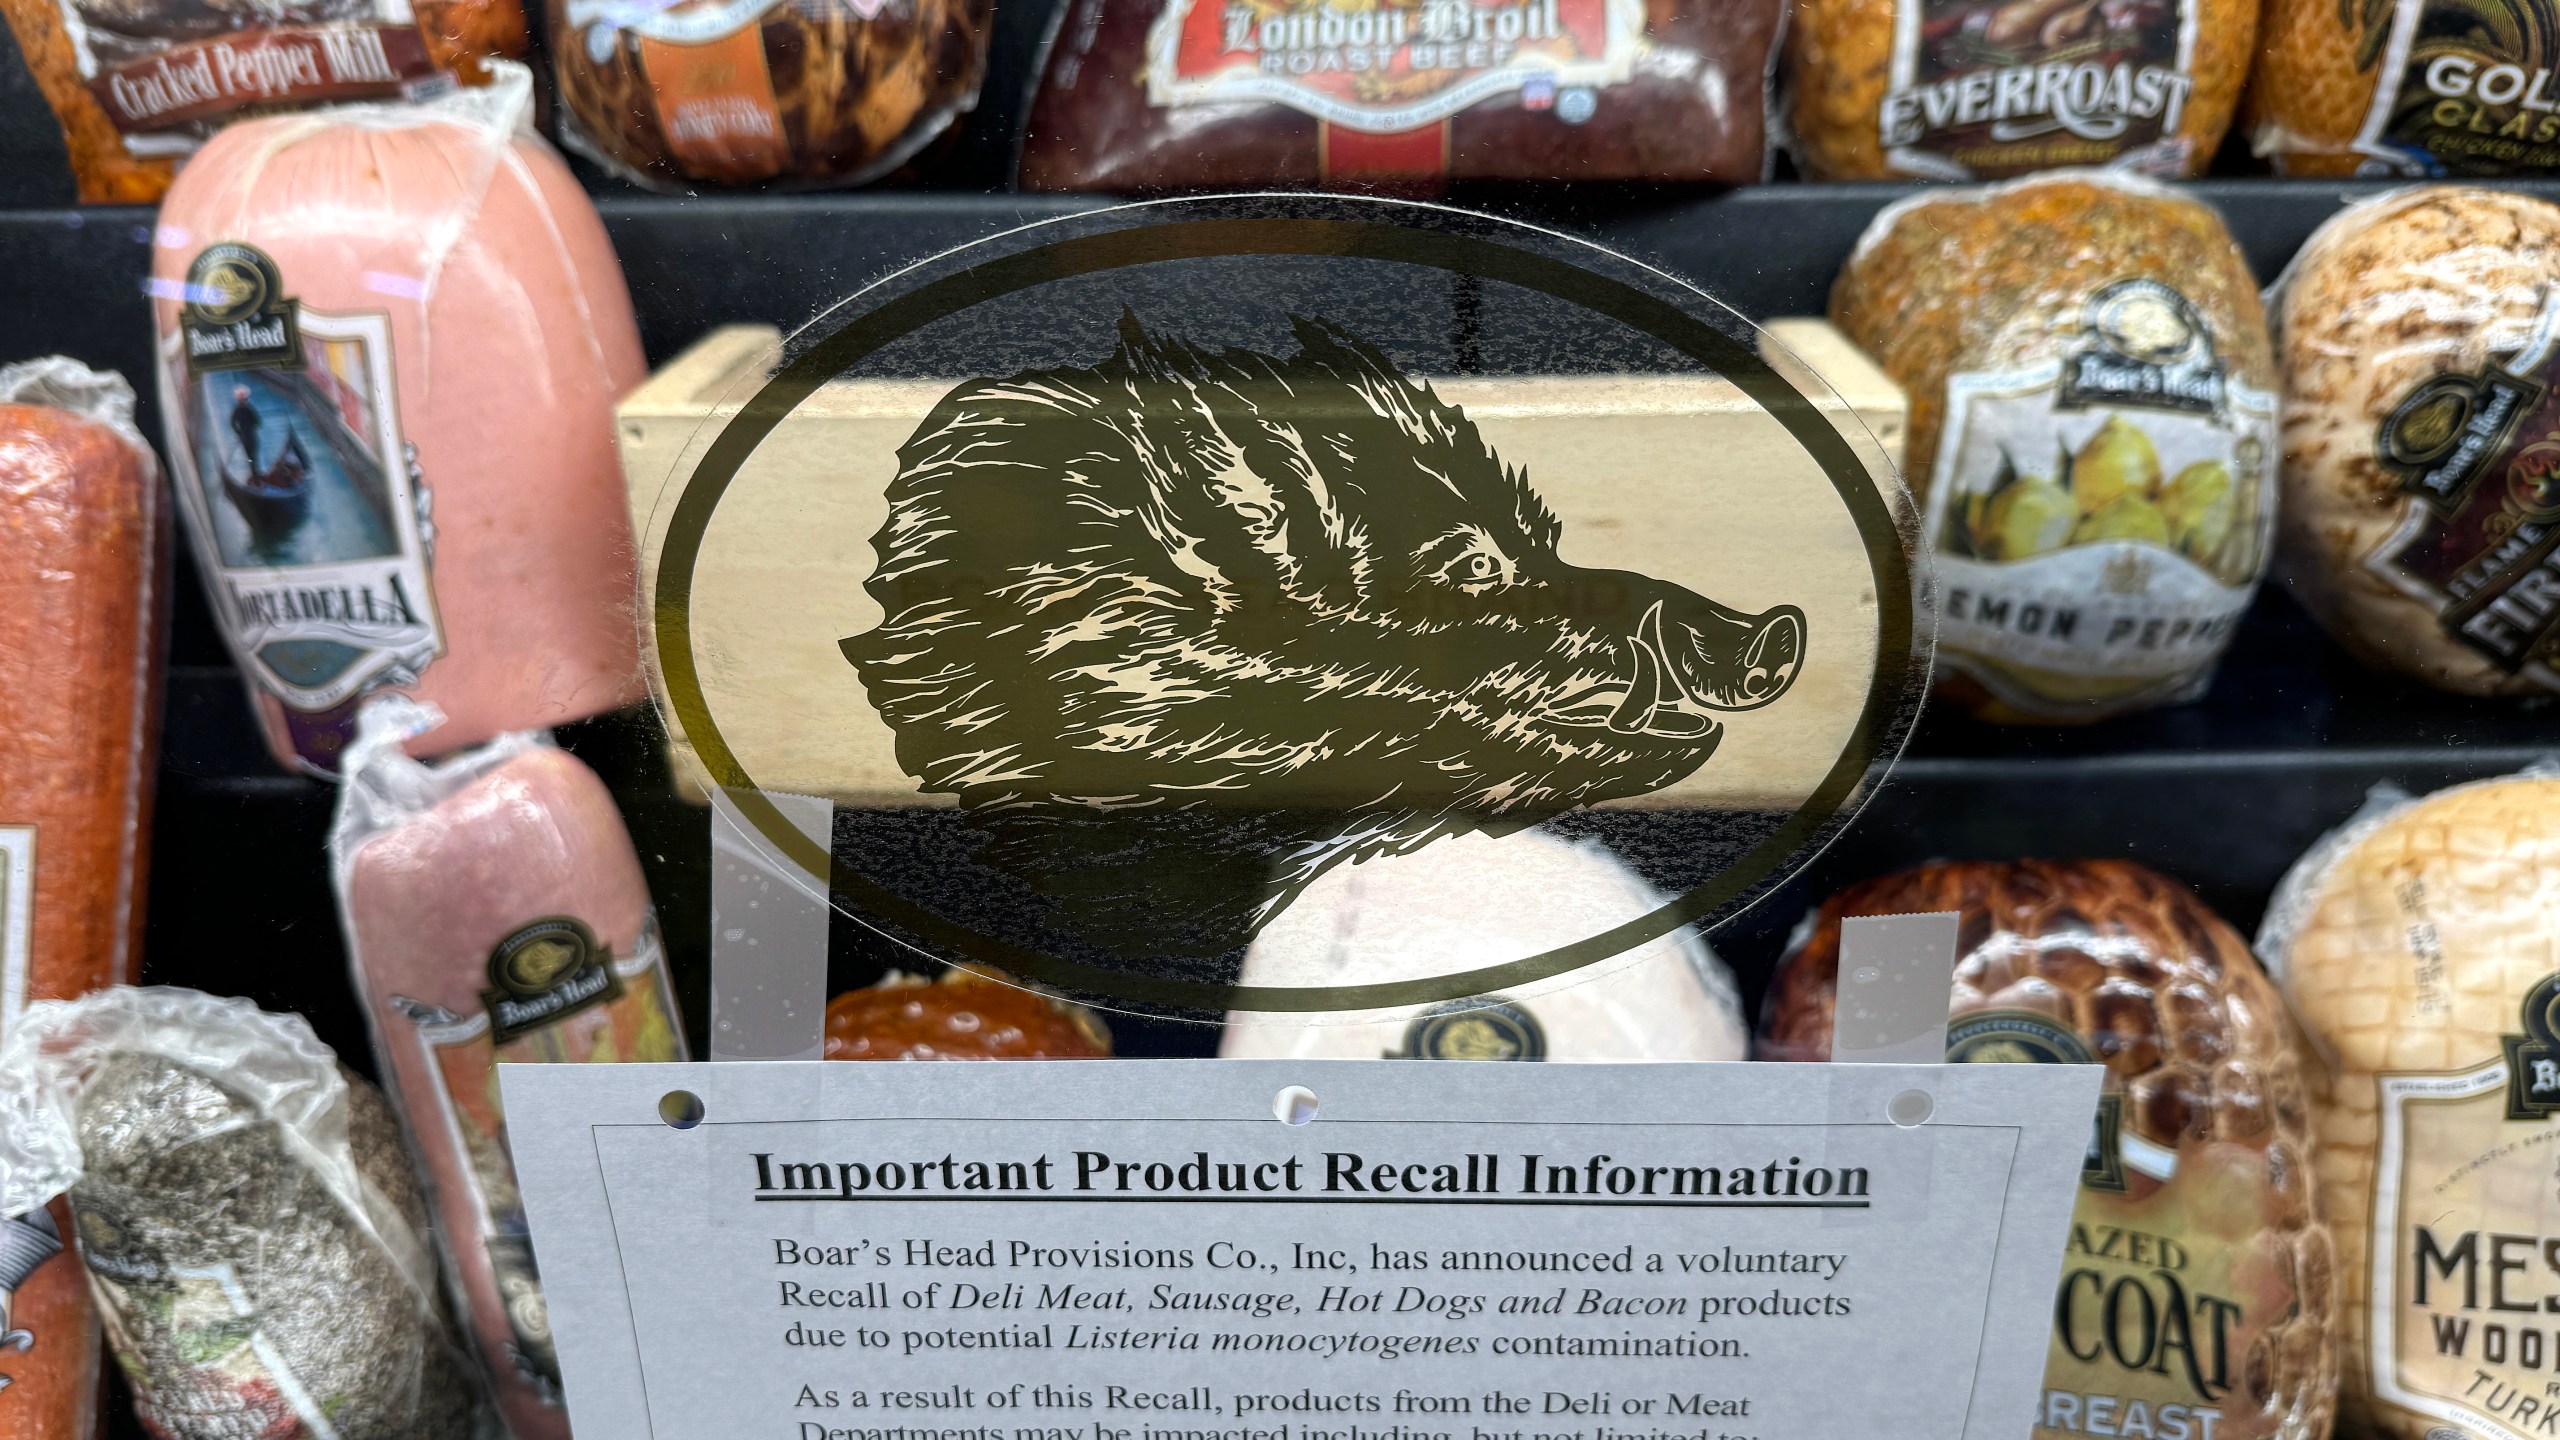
{"x": 1471, "y": 902}
{"x": 2420, "y": 947}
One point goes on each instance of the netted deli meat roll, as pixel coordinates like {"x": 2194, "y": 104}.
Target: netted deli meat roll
{"x": 2196, "y": 1200}
{"x": 2421, "y": 947}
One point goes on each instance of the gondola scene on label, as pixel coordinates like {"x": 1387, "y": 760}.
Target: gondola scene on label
{"x": 1127, "y": 580}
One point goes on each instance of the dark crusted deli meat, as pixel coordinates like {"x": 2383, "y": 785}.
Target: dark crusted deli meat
{"x": 1178, "y": 94}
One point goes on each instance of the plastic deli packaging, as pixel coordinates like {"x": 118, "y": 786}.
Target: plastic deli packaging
{"x": 1987, "y": 89}
{"x": 137, "y": 84}
{"x": 248, "y": 1221}
{"x": 963, "y": 1016}
{"x": 2417, "y": 946}
{"x": 2092, "y": 431}
{"x": 796, "y": 93}
{"x": 1423, "y": 916}
{"x": 392, "y": 338}
{"x": 2198, "y": 1293}
{"x": 2421, "y": 338}
{"x": 83, "y": 587}
{"x": 2406, "y": 87}
{"x": 495, "y": 913}
{"x": 1171, "y": 94}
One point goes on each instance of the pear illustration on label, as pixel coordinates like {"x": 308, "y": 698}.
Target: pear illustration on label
{"x": 1101, "y": 584}
{"x": 1175, "y": 557}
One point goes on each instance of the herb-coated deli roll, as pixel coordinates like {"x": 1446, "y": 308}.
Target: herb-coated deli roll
{"x": 2092, "y": 433}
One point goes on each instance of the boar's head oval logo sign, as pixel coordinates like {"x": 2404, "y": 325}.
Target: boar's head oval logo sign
{"x": 1124, "y": 576}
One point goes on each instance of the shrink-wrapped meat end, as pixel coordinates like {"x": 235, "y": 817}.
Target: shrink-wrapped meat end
{"x": 393, "y": 338}
{"x": 788, "y": 95}
{"x": 2203, "y": 1136}
{"x": 245, "y": 1215}
{"x": 963, "y": 1016}
{"x": 2092, "y": 430}
{"x": 1139, "y": 95}
{"x": 1960, "y": 113}
{"x": 2417, "y": 947}
{"x": 83, "y": 586}
{"x": 2409, "y": 323}
{"x": 495, "y": 914}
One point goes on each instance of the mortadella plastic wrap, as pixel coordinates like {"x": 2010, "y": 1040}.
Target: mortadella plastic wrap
{"x": 496, "y": 913}
{"x": 251, "y": 1233}
{"x": 83, "y": 588}
{"x": 392, "y": 338}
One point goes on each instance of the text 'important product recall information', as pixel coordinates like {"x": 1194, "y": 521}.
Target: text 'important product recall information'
{"x": 1150, "y": 1250}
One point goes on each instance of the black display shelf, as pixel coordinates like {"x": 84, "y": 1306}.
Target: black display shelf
{"x": 2224, "y": 792}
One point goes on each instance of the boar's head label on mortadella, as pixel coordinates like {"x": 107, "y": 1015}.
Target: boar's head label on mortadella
{"x": 557, "y": 994}
{"x": 1215, "y": 548}
{"x": 236, "y": 315}
{"x": 547, "y": 971}
{"x": 303, "y": 499}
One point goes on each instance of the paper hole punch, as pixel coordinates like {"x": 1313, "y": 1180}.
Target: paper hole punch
{"x": 681, "y": 1109}
{"x": 1294, "y": 1105}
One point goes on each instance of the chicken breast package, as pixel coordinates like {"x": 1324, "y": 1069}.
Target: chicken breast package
{"x": 392, "y": 339}
{"x": 781, "y": 94}
{"x": 1988, "y": 89}
{"x": 83, "y": 592}
{"x": 2092, "y": 433}
{"x": 495, "y": 914}
{"x": 248, "y": 1224}
{"x": 2407, "y": 87}
{"x": 1422, "y": 915}
{"x": 137, "y": 85}
{"x": 2198, "y": 1298}
{"x": 1182, "y": 94}
{"x": 2420, "y": 333}
{"x": 2420, "y": 945}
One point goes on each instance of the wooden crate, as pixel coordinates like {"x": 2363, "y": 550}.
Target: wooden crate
{"x": 792, "y": 540}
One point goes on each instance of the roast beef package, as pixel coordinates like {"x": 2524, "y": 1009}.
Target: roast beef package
{"x": 2406, "y": 87}
{"x": 2420, "y": 334}
{"x": 786, "y": 94}
{"x": 2420, "y": 945}
{"x": 1986, "y": 89}
{"x": 391, "y": 338}
{"x": 1424, "y": 915}
{"x": 137, "y": 84}
{"x": 83, "y": 586}
{"x": 249, "y": 1225}
{"x": 2092, "y": 433}
{"x": 2198, "y": 1298}
{"x": 495, "y": 913}
{"x": 1175, "y": 94}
